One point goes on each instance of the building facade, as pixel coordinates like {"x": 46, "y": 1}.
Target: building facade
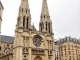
{"x": 28, "y": 43}
{"x": 67, "y": 49}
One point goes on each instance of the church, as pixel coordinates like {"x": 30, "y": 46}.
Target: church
{"x": 28, "y": 43}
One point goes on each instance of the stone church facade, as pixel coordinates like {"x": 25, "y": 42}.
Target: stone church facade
{"x": 28, "y": 43}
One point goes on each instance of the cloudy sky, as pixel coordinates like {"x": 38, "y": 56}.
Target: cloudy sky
{"x": 65, "y": 16}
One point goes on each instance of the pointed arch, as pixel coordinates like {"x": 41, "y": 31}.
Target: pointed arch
{"x": 49, "y": 27}
{"x": 24, "y": 21}
{"x": 37, "y": 58}
{"x": 46, "y": 26}
{"x": 27, "y": 23}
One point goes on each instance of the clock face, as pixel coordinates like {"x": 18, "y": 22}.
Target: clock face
{"x": 37, "y": 42}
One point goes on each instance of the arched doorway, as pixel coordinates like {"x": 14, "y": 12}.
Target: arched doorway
{"x": 37, "y": 58}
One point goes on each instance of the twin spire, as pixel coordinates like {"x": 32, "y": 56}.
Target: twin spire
{"x": 25, "y": 4}
{"x": 45, "y": 22}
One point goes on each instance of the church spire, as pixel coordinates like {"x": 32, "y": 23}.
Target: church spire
{"x": 45, "y": 8}
{"x": 24, "y": 7}
{"x": 45, "y": 24}
{"x": 24, "y": 17}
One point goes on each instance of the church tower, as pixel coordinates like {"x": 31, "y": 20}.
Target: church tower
{"x": 23, "y": 25}
{"x": 30, "y": 44}
{"x": 24, "y": 17}
{"x": 1, "y": 12}
{"x": 45, "y": 24}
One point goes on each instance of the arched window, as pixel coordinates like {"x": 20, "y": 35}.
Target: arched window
{"x": 0, "y": 47}
{"x": 46, "y": 25}
{"x": 44, "y": 16}
{"x": 49, "y": 27}
{"x": 24, "y": 21}
{"x": 27, "y": 22}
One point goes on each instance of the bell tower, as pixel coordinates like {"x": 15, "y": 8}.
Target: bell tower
{"x": 22, "y": 27}
{"x": 45, "y": 24}
{"x": 24, "y": 17}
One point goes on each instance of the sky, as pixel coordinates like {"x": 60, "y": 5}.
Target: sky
{"x": 65, "y": 16}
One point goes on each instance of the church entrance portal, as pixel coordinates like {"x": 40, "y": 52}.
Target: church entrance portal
{"x": 37, "y": 58}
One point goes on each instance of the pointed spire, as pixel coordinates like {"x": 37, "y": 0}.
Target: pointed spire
{"x": 24, "y": 3}
{"x": 45, "y": 7}
{"x": 45, "y": 24}
{"x": 24, "y": 6}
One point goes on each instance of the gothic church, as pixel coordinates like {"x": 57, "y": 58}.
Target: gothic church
{"x": 28, "y": 43}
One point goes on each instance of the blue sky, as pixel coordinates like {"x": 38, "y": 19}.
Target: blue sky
{"x": 65, "y": 16}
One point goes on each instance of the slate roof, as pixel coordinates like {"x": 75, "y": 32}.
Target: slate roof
{"x": 66, "y": 39}
{"x": 8, "y": 39}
